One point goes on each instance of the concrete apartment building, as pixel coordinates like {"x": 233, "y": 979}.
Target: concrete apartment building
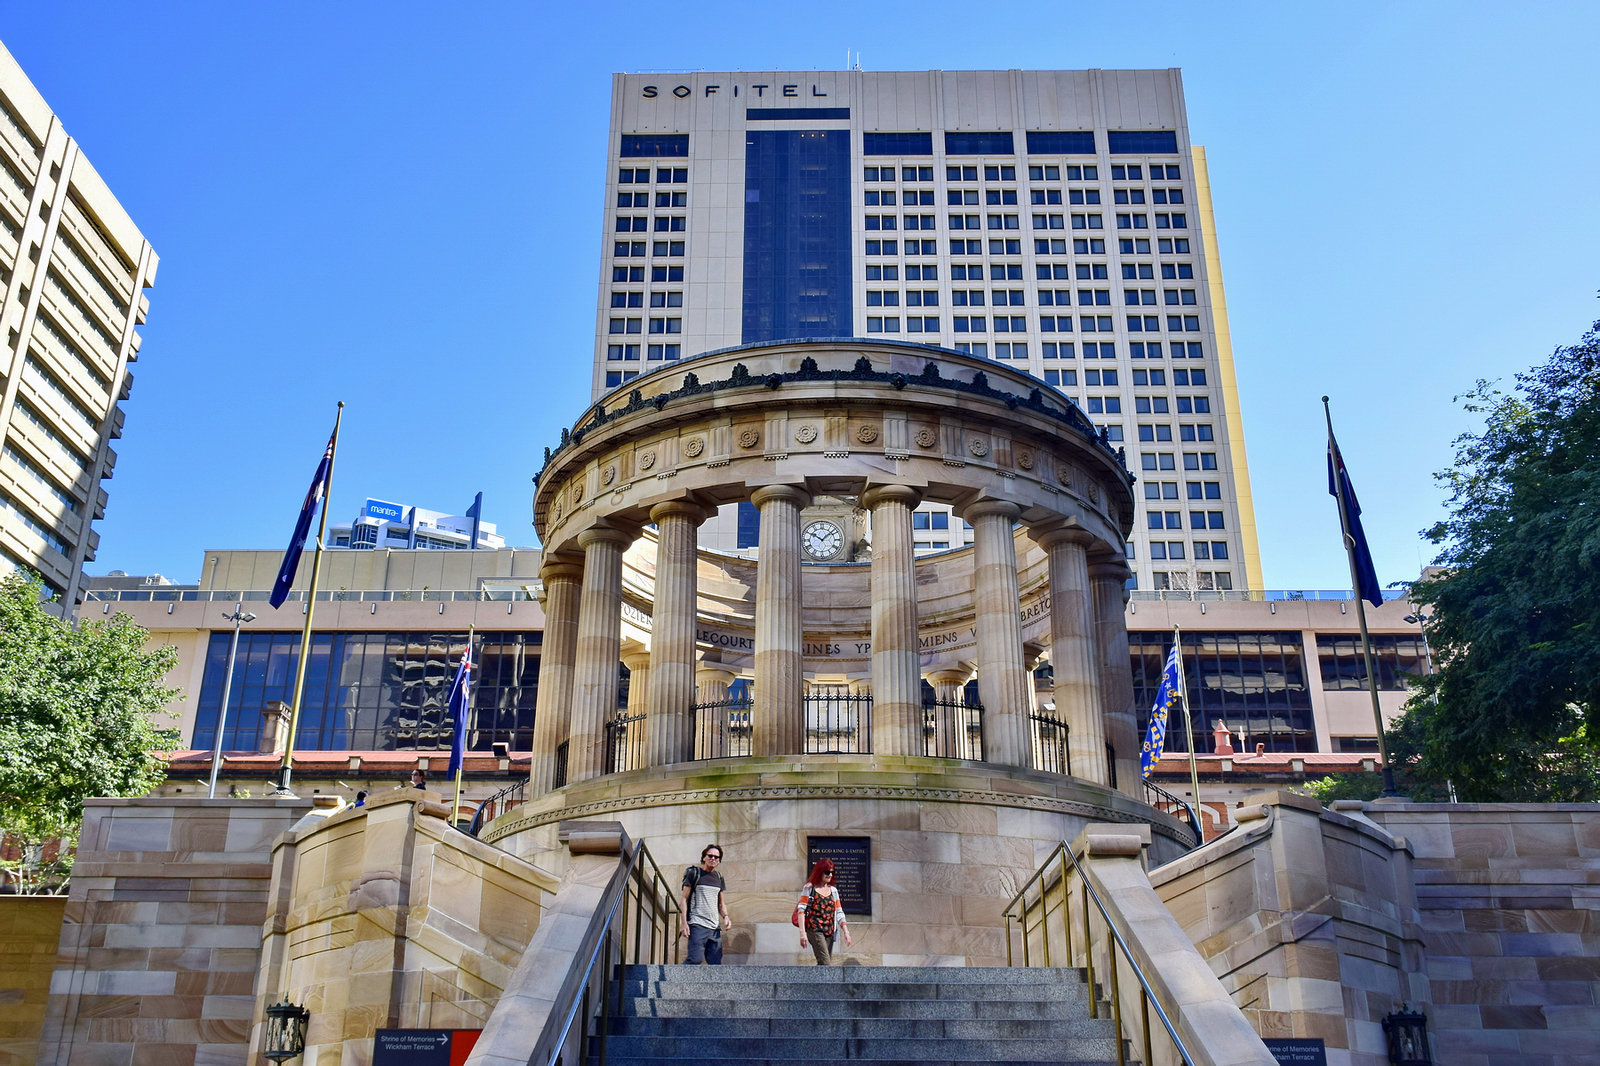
{"x": 1059, "y": 222}
{"x": 73, "y": 270}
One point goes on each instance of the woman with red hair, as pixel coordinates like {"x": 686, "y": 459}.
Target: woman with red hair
{"x": 821, "y": 916}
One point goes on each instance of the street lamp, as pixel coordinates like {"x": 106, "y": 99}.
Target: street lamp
{"x": 238, "y": 617}
{"x": 1421, "y": 620}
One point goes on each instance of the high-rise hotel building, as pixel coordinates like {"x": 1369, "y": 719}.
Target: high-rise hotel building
{"x": 1057, "y": 220}
{"x": 73, "y": 269}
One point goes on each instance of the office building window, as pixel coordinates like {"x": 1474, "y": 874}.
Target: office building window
{"x": 1396, "y": 659}
{"x": 1254, "y": 682}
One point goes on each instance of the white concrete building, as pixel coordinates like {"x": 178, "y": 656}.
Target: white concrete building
{"x": 1056, "y": 221}
{"x": 382, "y": 524}
{"x": 73, "y": 270}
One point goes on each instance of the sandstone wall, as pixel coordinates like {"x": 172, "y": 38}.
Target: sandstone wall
{"x": 30, "y": 934}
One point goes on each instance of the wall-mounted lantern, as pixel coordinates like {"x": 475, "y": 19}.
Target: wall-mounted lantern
{"x": 1407, "y": 1034}
{"x": 286, "y": 1030}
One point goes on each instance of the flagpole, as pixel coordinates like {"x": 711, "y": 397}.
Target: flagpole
{"x": 1389, "y": 789}
{"x": 1188, "y": 725}
{"x": 286, "y": 768}
{"x": 466, "y": 703}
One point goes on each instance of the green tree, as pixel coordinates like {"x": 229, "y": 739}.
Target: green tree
{"x": 77, "y": 706}
{"x": 1513, "y": 712}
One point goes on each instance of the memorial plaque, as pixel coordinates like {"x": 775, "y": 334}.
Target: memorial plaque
{"x": 852, "y": 868}
{"x": 423, "y": 1047}
{"x": 1297, "y": 1052}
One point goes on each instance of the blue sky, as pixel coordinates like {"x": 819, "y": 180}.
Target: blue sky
{"x": 399, "y": 205}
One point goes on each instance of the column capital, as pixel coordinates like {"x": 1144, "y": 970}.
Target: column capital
{"x": 714, "y": 672}
{"x": 1067, "y": 532}
{"x": 1105, "y": 567}
{"x": 795, "y": 495}
{"x": 622, "y": 538}
{"x": 891, "y": 493}
{"x": 686, "y": 508}
{"x": 951, "y": 676}
{"x": 561, "y": 568}
{"x": 635, "y": 655}
{"x": 983, "y": 508}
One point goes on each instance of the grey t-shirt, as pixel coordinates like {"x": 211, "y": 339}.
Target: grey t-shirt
{"x": 703, "y": 900}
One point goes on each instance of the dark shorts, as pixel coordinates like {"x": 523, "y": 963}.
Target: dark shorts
{"x": 705, "y": 945}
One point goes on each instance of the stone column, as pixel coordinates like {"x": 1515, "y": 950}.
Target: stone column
{"x": 1108, "y": 576}
{"x": 562, "y": 579}
{"x": 896, "y": 662}
{"x": 1074, "y": 657}
{"x": 950, "y": 738}
{"x": 636, "y": 657}
{"x": 670, "y": 702}
{"x": 711, "y": 686}
{"x": 594, "y": 676}
{"x": 778, "y": 718}
{"x": 1002, "y": 677}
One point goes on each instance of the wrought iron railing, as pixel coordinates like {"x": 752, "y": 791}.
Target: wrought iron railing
{"x": 1045, "y": 904}
{"x": 638, "y": 898}
{"x": 838, "y": 721}
{"x": 722, "y": 728}
{"x": 559, "y": 779}
{"x": 1181, "y": 809}
{"x": 625, "y": 743}
{"x": 1049, "y": 736}
{"x": 513, "y": 795}
{"x": 952, "y": 729}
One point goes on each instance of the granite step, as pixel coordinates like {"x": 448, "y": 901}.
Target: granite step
{"x": 1071, "y": 1006}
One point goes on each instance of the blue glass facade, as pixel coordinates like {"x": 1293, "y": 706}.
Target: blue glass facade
{"x": 372, "y": 691}
{"x": 797, "y": 235}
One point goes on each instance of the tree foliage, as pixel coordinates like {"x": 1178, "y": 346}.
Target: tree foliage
{"x": 1513, "y": 712}
{"x": 77, "y": 706}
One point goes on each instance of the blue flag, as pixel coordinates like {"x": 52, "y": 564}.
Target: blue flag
{"x": 458, "y": 708}
{"x": 1155, "y": 736}
{"x": 302, "y": 527}
{"x": 1366, "y": 575}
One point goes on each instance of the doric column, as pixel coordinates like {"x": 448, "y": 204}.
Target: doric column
{"x": 1074, "y": 657}
{"x": 594, "y": 677}
{"x": 670, "y": 703}
{"x": 636, "y": 657}
{"x": 1108, "y": 576}
{"x": 896, "y": 674}
{"x": 711, "y": 686}
{"x": 778, "y": 718}
{"x": 1002, "y": 677}
{"x": 562, "y": 579}
{"x": 950, "y": 739}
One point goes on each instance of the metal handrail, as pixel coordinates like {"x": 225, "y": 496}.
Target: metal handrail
{"x": 516, "y": 791}
{"x": 1162, "y": 796}
{"x": 576, "y": 997}
{"x": 1019, "y": 905}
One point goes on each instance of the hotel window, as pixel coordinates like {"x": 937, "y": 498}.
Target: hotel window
{"x": 632, "y": 224}
{"x": 1177, "y": 220}
{"x": 1128, "y": 196}
{"x": 890, "y": 324}
{"x": 1055, "y": 271}
{"x": 674, "y": 175}
{"x": 1134, "y": 245}
{"x": 1127, "y": 173}
{"x": 1004, "y": 222}
{"x": 1173, "y": 245}
{"x": 1052, "y": 350}
{"x": 878, "y": 298}
{"x": 1004, "y": 247}
{"x": 628, "y": 199}
{"x": 964, "y": 222}
{"x": 629, "y": 176}
{"x": 625, "y": 352}
{"x": 1002, "y": 298}
{"x": 1089, "y": 246}
{"x": 998, "y": 197}
{"x": 1049, "y": 323}
{"x": 922, "y": 324}
{"x": 966, "y": 247}
{"x": 666, "y": 325}
{"x": 1044, "y": 173}
{"x": 979, "y": 350}
{"x": 670, "y": 248}
{"x": 1094, "y": 297}
{"x": 922, "y": 298}
{"x": 1010, "y": 324}
{"x": 1050, "y": 222}
{"x": 1106, "y": 350}
{"x": 672, "y": 199}
{"x": 890, "y": 272}
{"x": 916, "y": 173}
{"x": 1146, "y": 405}
{"x": 1016, "y": 350}
{"x": 961, "y": 197}
{"x": 1045, "y": 196}
{"x": 1131, "y": 271}
{"x": 921, "y": 197}
{"x": 1083, "y": 173}
{"x": 917, "y": 221}
{"x": 974, "y": 324}
{"x": 1150, "y": 434}
{"x": 1105, "y": 405}
{"x": 622, "y": 273}
{"x": 1087, "y": 222}
{"x": 961, "y": 173}
{"x": 666, "y": 273}
{"x": 1135, "y": 297}
{"x": 1094, "y": 323}
{"x": 1005, "y": 271}
{"x": 1149, "y": 377}
{"x": 625, "y": 325}
{"x": 999, "y": 173}
{"x": 1166, "y": 196}
{"x": 967, "y": 297}
{"x": 1052, "y": 246}
{"x": 875, "y": 199}
{"x": 1197, "y": 432}
{"x": 922, "y": 248}
{"x": 922, "y": 272}
{"x": 1161, "y": 490}
{"x": 882, "y": 222}
{"x": 1091, "y": 271}
{"x": 1171, "y": 271}
{"x": 1199, "y": 460}
{"x": 665, "y": 351}
{"x": 1189, "y": 377}
{"x": 1083, "y": 196}
{"x": 883, "y": 247}
{"x": 1194, "y": 405}
{"x": 1100, "y": 377}
{"x": 873, "y": 174}
{"x": 627, "y": 299}
{"x": 1055, "y": 297}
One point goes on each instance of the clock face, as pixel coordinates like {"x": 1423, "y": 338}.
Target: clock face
{"x": 821, "y": 540}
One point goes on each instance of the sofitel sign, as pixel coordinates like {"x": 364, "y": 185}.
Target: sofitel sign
{"x": 651, "y": 92}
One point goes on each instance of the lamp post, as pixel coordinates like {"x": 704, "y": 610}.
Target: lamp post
{"x": 238, "y": 617}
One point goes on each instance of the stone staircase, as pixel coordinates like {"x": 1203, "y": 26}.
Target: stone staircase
{"x": 890, "y": 1015}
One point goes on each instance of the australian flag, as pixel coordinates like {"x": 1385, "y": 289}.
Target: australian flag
{"x": 302, "y": 527}
{"x": 1366, "y": 575}
{"x": 1155, "y": 737}
{"x": 458, "y": 708}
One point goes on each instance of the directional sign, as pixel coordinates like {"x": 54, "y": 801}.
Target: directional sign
{"x": 423, "y": 1047}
